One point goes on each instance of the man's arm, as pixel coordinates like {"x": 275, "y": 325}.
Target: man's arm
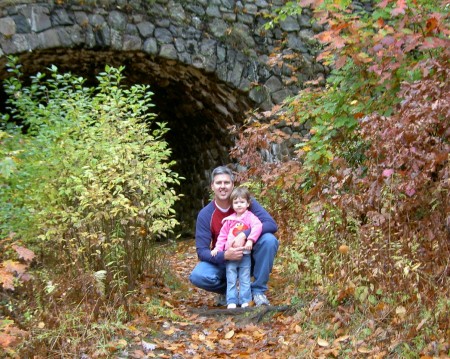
{"x": 203, "y": 237}
{"x": 255, "y": 226}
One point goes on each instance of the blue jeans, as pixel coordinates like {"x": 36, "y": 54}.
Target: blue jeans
{"x": 239, "y": 269}
{"x": 212, "y": 277}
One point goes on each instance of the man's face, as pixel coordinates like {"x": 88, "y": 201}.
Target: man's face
{"x": 222, "y": 187}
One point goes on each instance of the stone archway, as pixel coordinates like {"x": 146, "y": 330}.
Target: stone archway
{"x": 197, "y": 108}
{"x": 205, "y": 61}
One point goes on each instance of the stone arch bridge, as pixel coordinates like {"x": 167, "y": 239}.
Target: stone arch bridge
{"x": 205, "y": 60}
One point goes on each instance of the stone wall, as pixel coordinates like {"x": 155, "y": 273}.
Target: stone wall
{"x": 206, "y": 62}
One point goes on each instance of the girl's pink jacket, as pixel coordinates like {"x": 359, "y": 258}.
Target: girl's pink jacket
{"x": 232, "y": 226}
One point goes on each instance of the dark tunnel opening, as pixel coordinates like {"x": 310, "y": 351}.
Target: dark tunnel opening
{"x": 197, "y": 107}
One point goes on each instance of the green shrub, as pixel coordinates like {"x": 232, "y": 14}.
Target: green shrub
{"x": 88, "y": 184}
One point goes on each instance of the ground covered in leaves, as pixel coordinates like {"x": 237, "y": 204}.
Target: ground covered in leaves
{"x": 195, "y": 328}
{"x": 188, "y": 325}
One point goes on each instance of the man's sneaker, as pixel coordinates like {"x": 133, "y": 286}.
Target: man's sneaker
{"x": 221, "y": 300}
{"x": 244, "y": 305}
{"x": 231, "y": 306}
{"x": 260, "y": 299}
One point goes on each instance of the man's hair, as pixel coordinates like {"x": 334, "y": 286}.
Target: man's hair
{"x": 241, "y": 192}
{"x": 222, "y": 170}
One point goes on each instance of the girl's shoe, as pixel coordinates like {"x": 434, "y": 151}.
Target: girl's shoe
{"x": 244, "y": 305}
{"x": 231, "y": 306}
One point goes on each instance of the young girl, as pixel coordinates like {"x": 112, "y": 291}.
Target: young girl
{"x": 241, "y": 221}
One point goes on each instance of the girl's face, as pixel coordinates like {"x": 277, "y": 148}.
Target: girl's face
{"x": 240, "y": 205}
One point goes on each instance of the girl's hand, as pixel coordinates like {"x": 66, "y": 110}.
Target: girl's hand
{"x": 248, "y": 245}
{"x": 214, "y": 252}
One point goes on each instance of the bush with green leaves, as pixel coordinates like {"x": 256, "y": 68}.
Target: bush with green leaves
{"x": 86, "y": 182}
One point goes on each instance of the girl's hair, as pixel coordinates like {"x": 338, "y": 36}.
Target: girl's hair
{"x": 241, "y": 192}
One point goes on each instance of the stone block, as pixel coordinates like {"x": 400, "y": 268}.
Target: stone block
{"x": 146, "y": 28}
{"x": 163, "y": 36}
{"x": 258, "y": 94}
{"x": 150, "y": 46}
{"x": 177, "y": 13}
{"x": 180, "y": 45}
{"x": 131, "y": 43}
{"x": 96, "y": 20}
{"x": 76, "y": 34}
{"x": 290, "y": 24}
{"x": 213, "y": 11}
{"x": 81, "y": 18}
{"x": 7, "y": 26}
{"x": 22, "y": 24}
{"x": 102, "y": 36}
{"x": 60, "y": 17}
{"x": 19, "y": 43}
{"x": 250, "y": 9}
{"x": 40, "y": 19}
{"x": 49, "y": 39}
{"x": 279, "y": 96}
{"x": 274, "y": 84}
{"x": 131, "y": 29}
{"x": 64, "y": 37}
{"x": 168, "y": 51}
{"x": 218, "y": 28}
{"x": 235, "y": 75}
{"x": 117, "y": 20}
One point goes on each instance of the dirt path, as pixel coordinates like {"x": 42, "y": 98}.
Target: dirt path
{"x": 192, "y": 327}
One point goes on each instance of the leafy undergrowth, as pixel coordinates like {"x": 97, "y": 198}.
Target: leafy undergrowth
{"x": 172, "y": 319}
{"x": 167, "y": 324}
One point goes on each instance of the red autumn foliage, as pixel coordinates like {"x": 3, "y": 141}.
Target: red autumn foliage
{"x": 403, "y": 192}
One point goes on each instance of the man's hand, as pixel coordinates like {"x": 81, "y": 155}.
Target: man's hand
{"x": 233, "y": 254}
{"x": 239, "y": 240}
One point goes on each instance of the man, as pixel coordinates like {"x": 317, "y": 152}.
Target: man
{"x": 209, "y": 274}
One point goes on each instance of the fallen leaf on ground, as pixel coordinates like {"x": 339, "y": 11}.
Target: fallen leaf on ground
{"x": 229, "y": 335}
{"x": 323, "y": 342}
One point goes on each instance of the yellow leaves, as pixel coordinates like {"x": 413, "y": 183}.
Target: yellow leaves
{"x": 168, "y": 304}
{"x": 258, "y": 334}
{"x": 400, "y": 311}
{"x": 421, "y": 324}
{"x": 229, "y": 335}
{"x": 115, "y": 345}
{"x": 364, "y": 350}
{"x": 362, "y": 57}
{"x": 343, "y": 249}
{"x": 169, "y": 331}
{"x": 323, "y": 342}
{"x": 341, "y": 339}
